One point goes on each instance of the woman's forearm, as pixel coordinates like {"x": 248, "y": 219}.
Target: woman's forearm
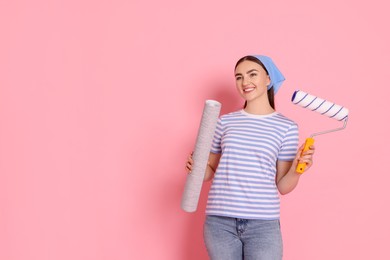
{"x": 288, "y": 182}
{"x": 211, "y": 166}
{"x": 209, "y": 174}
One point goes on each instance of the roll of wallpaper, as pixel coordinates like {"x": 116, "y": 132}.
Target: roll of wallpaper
{"x": 194, "y": 182}
{"x": 319, "y": 105}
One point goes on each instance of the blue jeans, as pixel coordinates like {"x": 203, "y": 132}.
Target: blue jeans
{"x": 236, "y": 239}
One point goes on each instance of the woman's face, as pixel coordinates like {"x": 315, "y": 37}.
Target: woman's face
{"x": 251, "y": 80}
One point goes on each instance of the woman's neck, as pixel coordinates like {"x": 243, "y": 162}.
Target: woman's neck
{"x": 257, "y": 108}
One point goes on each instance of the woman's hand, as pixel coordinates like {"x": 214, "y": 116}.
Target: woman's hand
{"x": 286, "y": 175}
{"x": 211, "y": 165}
{"x": 305, "y": 157}
{"x": 189, "y": 164}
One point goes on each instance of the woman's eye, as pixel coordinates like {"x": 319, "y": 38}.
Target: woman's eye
{"x": 253, "y": 75}
{"x": 238, "y": 78}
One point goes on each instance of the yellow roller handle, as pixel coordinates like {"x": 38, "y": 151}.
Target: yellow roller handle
{"x": 301, "y": 166}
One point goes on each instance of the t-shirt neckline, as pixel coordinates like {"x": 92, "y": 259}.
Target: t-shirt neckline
{"x": 258, "y": 116}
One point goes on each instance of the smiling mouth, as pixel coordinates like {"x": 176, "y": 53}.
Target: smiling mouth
{"x": 247, "y": 90}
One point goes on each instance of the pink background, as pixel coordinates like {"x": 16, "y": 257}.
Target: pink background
{"x": 100, "y": 103}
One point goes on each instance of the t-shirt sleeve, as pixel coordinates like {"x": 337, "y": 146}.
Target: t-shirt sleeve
{"x": 216, "y": 145}
{"x": 289, "y": 146}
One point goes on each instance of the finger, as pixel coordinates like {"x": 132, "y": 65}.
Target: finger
{"x": 296, "y": 160}
{"x": 311, "y": 150}
{"x": 189, "y": 165}
{"x": 299, "y": 152}
{"x": 190, "y": 160}
{"x": 298, "y": 156}
{"x": 188, "y": 170}
{"x": 307, "y": 155}
{"x": 306, "y": 158}
{"x": 308, "y": 152}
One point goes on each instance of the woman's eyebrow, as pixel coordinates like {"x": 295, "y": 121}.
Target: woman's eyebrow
{"x": 252, "y": 70}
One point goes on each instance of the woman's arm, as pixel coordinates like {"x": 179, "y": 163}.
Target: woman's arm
{"x": 211, "y": 165}
{"x": 286, "y": 176}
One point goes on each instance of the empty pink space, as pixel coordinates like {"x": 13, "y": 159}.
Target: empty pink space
{"x": 100, "y": 103}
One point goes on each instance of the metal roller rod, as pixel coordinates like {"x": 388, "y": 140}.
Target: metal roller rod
{"x": 331, "y": 130}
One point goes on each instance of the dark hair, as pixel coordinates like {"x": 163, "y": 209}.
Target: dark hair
{"x": 270, "y": 92}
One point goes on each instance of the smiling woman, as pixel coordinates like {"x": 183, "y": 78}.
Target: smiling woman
{"x": 277, "y": 75}
{"x": 252, "y": 80}
{"x": 254, "y": 154}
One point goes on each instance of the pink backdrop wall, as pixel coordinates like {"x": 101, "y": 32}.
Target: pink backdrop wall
{"x": 100, "y": 103}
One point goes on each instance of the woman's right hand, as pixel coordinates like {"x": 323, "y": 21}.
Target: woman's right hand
{"x": 189, "y": 164}
{"x": 211, "y": 165}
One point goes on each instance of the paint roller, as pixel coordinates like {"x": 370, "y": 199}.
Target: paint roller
{"x": 323, "y": 107}
{"x": 194, "y": 181}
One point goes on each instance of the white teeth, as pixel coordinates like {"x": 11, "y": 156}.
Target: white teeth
{"x": 248, "y": 89}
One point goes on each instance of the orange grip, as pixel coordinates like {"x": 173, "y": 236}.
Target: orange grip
{"x": 301, "y": 166}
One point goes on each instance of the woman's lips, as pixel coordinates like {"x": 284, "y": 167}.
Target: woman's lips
{"x": 249, "y": 89}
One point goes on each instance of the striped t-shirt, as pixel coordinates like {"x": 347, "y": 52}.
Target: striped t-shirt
{"x": 244, "y": 182}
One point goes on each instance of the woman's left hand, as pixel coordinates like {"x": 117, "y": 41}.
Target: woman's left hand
{"x": 305, "y": 157}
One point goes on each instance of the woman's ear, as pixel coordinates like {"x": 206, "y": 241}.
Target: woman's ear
{"x": 268, "y": 80}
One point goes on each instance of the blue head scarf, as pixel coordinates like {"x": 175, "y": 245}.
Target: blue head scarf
{"x": 274, "y": 73}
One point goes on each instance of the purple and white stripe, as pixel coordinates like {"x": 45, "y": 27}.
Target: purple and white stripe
{"x": 319, "y": 105}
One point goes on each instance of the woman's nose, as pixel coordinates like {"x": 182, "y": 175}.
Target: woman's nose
{"x": 245, "y": 81}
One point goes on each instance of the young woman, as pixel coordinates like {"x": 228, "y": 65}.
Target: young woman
{"x": 253, "y": 158}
